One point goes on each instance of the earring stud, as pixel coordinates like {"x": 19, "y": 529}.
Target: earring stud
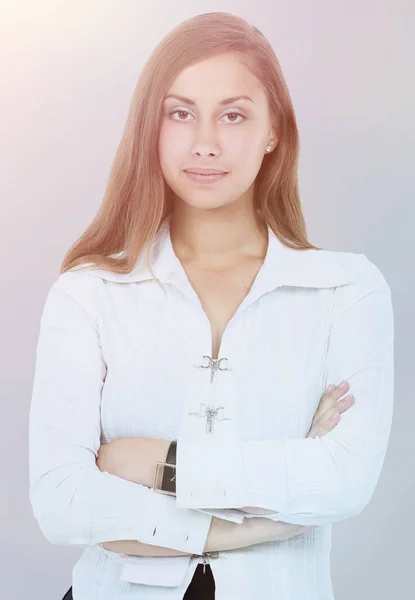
{"x": 268, "y": 148}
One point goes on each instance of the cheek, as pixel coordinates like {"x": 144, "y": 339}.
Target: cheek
{"x": 244, "y": 144}
{"x": 173, "y": 149}
{"x": 247, "y": 159}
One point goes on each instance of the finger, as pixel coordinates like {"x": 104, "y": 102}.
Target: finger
{"x": 339, "y": 406}
{"x": 332, "y": 395}
{"x": 329, "y": 399}
{"x": 324, "y": 428}
{"x": 336, "y": 392}
{"x": 324, "y": 425}
{"x": 320, "y": 428}
{"x": 331, "y": 403}
{"x": 344, "y": 403}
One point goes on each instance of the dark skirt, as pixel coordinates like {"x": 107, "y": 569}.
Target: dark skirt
{"x": 202, "y": 586}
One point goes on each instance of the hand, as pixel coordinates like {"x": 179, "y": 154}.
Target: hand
{"x": 330, "y": 406}
{"x": 133, "y": 459}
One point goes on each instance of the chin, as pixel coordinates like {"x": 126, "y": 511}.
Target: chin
{"x": 207, "y": 202}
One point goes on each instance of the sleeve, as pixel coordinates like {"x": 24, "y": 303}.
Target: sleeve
{"x": 316, "y": 481}
{"x": 72, "y": 500}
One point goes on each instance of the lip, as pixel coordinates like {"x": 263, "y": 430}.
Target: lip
{"x": 205, "y": 178}
{"x": 205, "y": 171}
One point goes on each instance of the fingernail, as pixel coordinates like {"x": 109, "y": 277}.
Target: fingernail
{"x": 342, "y": 384}
{"x": 330, "y": 388}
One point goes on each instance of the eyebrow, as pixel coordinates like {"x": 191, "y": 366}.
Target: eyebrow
{"x": 221, "y": 103}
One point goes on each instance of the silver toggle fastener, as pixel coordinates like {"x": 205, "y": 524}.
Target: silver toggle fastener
{"x": 211, "y": 413}
{"x": 214, "y": 364}
{"x": 205, "y": 556}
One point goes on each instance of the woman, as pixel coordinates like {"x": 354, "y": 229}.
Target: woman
{"x": 181, "y": 425}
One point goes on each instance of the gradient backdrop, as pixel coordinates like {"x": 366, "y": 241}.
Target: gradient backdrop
{"x": 68, "y": 73}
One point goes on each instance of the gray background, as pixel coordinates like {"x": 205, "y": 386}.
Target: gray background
{"x": 69, "y": 70}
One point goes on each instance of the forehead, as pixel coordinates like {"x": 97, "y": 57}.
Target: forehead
{"x": 216, "y": 78}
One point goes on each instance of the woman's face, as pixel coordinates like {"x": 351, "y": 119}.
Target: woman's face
{"x": 199, "y": 131}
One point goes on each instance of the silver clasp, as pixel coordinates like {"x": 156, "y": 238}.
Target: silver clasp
{"x": 205, "y": 556}
{"x": 211, "y": 413}
{"x": 215, "y": 365}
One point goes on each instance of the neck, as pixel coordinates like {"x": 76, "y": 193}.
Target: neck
{"x": 218, "y": 239}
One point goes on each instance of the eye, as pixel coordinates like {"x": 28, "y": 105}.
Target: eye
{"x": 235, "y": 113}
{"x": 225, "y": 115}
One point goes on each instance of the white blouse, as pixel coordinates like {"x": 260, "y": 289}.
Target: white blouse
{"x": 117, "y": 357}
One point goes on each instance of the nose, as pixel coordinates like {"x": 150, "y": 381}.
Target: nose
{"x": 206, "y": 144}
{"x": 205, "y": 151}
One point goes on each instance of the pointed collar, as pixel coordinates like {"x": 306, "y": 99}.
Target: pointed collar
{"x": 283, "y": 266}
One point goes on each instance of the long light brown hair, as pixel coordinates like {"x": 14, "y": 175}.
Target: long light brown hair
{"x": 137, "y": 198}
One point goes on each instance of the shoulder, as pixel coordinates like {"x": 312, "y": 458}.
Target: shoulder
{"x": 365, "y": 289}
{"x": 362, "y": 273}
{"x": 78, "y": 285}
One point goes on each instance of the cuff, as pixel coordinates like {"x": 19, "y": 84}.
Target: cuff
{"x": 168, "y": 526}
{"x": 217, "y": 473}
{"x": 265, "y": 472}
{"x": 209, "y": 472}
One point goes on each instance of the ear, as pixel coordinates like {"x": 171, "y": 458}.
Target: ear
{"x": 273, "y": 137}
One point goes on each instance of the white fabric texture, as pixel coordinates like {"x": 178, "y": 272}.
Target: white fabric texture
{"x": 119, "y": 357}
